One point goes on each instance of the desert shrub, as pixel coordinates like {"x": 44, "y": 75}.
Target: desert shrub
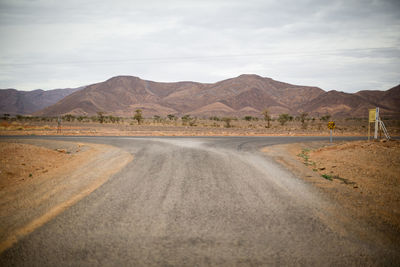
{"x": 267, "y": 117}
{"x": 19, "y": 117}
{"x": 68, "y": 117}
{"x": 172, "y": 117}
{"x": 138, "y": 116}
{"x": 113, "y": 119}
{"x": 94, "y": 118}
{"x": 185, "y": 119}
{"x": 5, "y": 117}
{"x": 327, "y": 177}
{"x": 227, "y": 121}
{"x": 248, "y": 118}
{"x": 45, "y": 118}
{"x": 193, "y": 122}
{"x": 100, "y": 116}
{"x": 80, "y": 118}
{"x": 325, "y": 118}
{"x": 283, "y": 118}
{"x": 188, "y": 120}
{"x": 157, "y": 118}
{"x": 303, "y": 117}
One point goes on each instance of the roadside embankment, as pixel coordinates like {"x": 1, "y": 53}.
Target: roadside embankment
{"x": 41, "y": 178}
{"x": 362, "y": 177}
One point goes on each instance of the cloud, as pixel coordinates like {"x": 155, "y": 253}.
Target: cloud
{"x": 346, "y": 45}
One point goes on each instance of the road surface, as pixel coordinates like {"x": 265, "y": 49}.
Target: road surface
{"x": 200, "y": 202}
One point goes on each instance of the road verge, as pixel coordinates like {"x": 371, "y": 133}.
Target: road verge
{"x": 70, "y": 172}
{"x": 360, "y": 177}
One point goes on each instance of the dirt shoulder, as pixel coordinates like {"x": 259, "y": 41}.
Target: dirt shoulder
{"x": 41, "y": 178}
{"x": 362, "y": 177}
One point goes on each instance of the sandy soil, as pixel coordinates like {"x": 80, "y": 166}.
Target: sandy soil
{"x": 24, "y": 163}
{"x": 362, "y": 177}
{"x": 41, "y": 178}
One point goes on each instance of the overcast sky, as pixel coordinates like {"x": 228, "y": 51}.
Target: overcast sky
{"x": 336, "y": 45}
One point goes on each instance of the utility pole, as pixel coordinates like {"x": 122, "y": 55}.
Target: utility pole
{"x": 376, "y": 123}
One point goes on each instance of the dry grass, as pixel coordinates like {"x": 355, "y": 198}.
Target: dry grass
{"x": 200, "y": 127}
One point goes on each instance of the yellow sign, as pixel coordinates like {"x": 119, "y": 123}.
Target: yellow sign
{"x": 331, "y": 125}
{"x": 372, "y": 115}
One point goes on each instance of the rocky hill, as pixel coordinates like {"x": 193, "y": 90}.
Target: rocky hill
{"x": 239, "y": 96}
{"x": 243, "y": 95}
{"x": 15, "y": 102}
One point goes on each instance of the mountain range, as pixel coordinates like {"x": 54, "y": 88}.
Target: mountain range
{"x": 15, "y": 102}
{"x": 246, "y": 94}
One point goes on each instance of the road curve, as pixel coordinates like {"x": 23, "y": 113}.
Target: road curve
{"x": 199, "y": 202}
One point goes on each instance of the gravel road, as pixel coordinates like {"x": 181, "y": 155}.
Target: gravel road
{"x": 200, "y": 202}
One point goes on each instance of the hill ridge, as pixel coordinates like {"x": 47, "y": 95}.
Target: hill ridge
{"x": 246, "y": 94}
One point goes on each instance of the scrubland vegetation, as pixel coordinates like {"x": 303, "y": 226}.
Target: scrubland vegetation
{"x": 263, "y": 124}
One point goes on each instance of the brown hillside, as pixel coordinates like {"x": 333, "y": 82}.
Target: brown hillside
{"x": 25, "y": 102}
{"x": 243, "y": 95}
{"x": 214, "y": 109}
{"x": 339, "y": 104}
{"x": 391, "y": 99}
{"x": 372, "y": 96}
{"x": 120, "y": 95}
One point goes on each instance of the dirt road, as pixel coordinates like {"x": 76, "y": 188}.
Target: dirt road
{"x": 201, "y": 201}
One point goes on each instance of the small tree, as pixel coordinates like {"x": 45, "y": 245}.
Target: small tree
{"x": 267, "y": 117}
{"x": 138, "y": 116}
{"x": 6, "y": 117}
{"x": 248, "y": 118}
{"x": 171, "y": 117}
{"x": 283, "y": 118}
{"x": 186, "y": 119}
{"x": 68, "y": 117}
{"x": 193, "y": 121}
{"x": 19, "y": 117}
{"x": 214, "y": 118}
{"x": 100, "y": 116}
{"x": 157, "y": 118}
{"x": 227, "y": 122}
{"x": 303, "y": 117}
{"x": 111, "y": 119}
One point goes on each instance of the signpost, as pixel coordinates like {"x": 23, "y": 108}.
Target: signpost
{"x": 331, "y": 126}
{"x": 371, "y": 118}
